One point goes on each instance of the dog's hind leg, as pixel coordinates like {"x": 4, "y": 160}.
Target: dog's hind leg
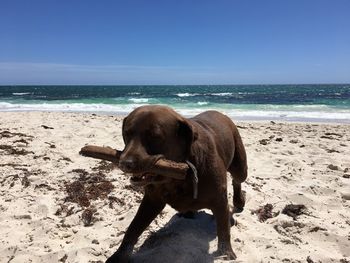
{"x": 239, "y": 172}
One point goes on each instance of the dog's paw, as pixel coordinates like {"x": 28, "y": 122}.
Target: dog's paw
{"x": 230, "y": 255}
{"x": 239, "y": 202}
{"x": 226, "y": 252}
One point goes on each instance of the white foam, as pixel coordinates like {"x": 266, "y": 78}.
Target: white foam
{"x": 187, "y": 94}
{"x": 221, "y": 94}
{"x": 268, "y": 114}
{"x": 139, "y": 100}
{"x": 69, "y": 107}
{"x": 204, "y": 94}
{"x": 20, "y": 93}
{"x": 329, "y": 116}
{"x": 302, "y": 115}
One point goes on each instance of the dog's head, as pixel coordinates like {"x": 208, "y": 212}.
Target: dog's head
{"x": 151, "y": 133}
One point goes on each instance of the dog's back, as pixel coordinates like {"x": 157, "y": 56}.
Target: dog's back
{"x": 227, "y": 139}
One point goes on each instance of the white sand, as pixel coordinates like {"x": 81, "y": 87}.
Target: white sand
{"x": 295, "y": 170}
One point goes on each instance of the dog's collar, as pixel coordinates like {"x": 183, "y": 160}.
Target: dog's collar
{"x": 194, "y": 179}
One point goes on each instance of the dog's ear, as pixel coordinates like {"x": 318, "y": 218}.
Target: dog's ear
{"x": 187, "y": 132}
{"x": 123, "y": 126}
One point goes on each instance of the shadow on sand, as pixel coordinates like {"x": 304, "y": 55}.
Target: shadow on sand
{"x": 180, "y": 240}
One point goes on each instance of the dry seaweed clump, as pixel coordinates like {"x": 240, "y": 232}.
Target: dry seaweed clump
{"x": 8, "y": 149}
{"x": 294, "y": 211}
{"x": 104, "y": 166}
{"x": 22, "y": 176}
{"x": 8, "y": 134}
{"x": 88, "y": 216}
{"x": 77, "y": 194}
{"x": 82, "y": 191}
{"x": 88, "y": 187}
{"x": 15, "y": 149}
{"x": 265, "y": 212}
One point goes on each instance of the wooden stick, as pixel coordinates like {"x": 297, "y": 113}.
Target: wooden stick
{"x": 162, "y": 167}
{"x": 103, "y": 153}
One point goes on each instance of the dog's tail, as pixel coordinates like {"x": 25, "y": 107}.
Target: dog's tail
{"x": 239, "y": 167}
{"x": 239, "y": 171}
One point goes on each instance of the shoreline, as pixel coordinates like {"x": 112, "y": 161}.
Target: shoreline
{"x": 289, "y": 163}
{"x": 236, "y": 119}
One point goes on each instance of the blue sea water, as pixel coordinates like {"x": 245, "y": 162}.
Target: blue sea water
{"x": 326, "y": 102}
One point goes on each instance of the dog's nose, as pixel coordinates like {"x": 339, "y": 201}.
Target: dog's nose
{"x": 127, "y": 165}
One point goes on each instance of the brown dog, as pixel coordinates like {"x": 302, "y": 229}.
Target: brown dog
{"x": 210, "y": 141}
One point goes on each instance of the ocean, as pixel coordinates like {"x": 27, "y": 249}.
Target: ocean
{"x": 328, "y": 103}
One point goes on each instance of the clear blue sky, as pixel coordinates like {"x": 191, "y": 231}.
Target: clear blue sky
{"x": 174, "y": 42}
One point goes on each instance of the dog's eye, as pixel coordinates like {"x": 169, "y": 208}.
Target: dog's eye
{"x": 153, "y": 142}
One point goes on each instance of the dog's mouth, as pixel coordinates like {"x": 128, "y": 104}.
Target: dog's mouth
{"x": 143, "y": 179}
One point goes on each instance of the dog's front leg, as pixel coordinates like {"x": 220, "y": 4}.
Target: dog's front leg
{"x": 147, "y": 211}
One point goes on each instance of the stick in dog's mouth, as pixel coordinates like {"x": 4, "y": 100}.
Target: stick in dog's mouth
{"x": 165, "y": 167}
{"x": 143, "y": 179}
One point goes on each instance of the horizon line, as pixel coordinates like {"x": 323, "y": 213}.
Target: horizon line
{"x": 218, "y": 84}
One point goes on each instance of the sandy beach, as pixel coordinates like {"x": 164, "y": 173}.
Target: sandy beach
{"x": 58, "y": 206}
